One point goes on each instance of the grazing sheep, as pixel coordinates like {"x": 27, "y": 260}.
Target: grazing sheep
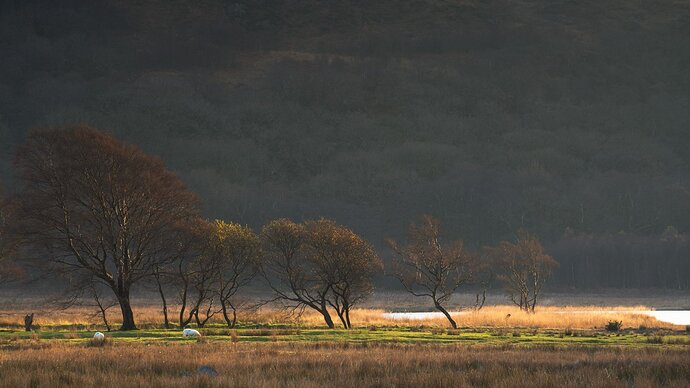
{"x": 99, "y": 337}
{"x": 190, "y": 333}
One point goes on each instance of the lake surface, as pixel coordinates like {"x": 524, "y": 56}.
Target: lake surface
{"x": 676, "y": 317}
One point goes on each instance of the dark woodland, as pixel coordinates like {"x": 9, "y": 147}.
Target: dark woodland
{"x": 570, "y": 119}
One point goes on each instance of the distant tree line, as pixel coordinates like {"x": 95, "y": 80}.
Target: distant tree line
{"x": 496, "y": 114}
{"x": 105, "y": 217}
{"x": 623, "y": 260}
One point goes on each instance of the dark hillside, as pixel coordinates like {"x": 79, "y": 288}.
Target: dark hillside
{"x": 554, "y": 115}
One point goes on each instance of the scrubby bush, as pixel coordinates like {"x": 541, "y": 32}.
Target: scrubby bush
{"x": 614, "y": 326}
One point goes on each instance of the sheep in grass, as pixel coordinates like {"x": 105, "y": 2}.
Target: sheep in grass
{"x": 98, "y": 339}
{"x": 190, "y": 333}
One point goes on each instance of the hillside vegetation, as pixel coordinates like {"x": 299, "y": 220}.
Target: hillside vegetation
{"x": 569, "y": 118}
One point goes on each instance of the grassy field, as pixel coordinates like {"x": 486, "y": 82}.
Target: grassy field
{"x": 557, "y": 346}
{"x": 294, "y": 364}
{"x": 149, "y": 317}
{"x": 11, "y": 340}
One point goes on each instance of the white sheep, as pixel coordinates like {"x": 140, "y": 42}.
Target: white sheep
{"x": 190, "y": 333}
{"x": 99, "y": 337}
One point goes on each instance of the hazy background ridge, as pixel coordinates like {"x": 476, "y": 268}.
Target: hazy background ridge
{"x": 570, "y": 118}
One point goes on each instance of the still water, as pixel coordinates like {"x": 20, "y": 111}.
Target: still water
{"x": 676, "y": 317}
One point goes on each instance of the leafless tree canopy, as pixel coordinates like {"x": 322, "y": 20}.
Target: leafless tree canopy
{"x": 344, "y": 261}
{"x": 237, "y": 251}
{"x": 318, "y": 265}
{"x": 525, "y": 269}
{"x": 427, "y": 268}
{"x": 95, "y": 205}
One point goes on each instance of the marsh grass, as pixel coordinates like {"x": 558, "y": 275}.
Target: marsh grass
{"x": 580, "y": 317}
{"x": 341, "y": 364}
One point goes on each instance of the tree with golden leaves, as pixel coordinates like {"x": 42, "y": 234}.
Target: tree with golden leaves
{"x": 96, "y": 206}
{"x": 427, "y": 268}
{"x": 237, "y": 251}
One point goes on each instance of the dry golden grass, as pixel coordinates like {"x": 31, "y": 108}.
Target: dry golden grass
{"x": 318, "y": 365}
{"x": 575, "y": 317}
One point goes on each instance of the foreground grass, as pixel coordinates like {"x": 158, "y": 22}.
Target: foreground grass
{"x": 295, "y": 364}
{"x": 10, "y": 339}
{"x": 555, "y": 347}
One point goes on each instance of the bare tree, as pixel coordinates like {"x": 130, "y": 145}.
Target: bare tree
{"x": 426, "y": 268}
{"x": 345, "y": 261}
{"x": 484, "y": 276}
{"x": 98, "y": 206}
{"x": 198, "y": 277}
{"x": 102, "y": 303}
{"x": 85, "y": 290}
{"x": 289, "y": 272}
{"x": 162, "y": 279}
{"x": 237, "y": 251}
{"x": 525, "y": 269}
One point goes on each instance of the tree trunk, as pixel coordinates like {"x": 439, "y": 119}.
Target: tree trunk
{"x": 447, "y": 314}
{"x": 534, "y": 303}
{"x": 165, "y": 302}
{"x": 342, "y": 318}
{"x": 127, "y": 314}
{"x": 347, "y": 318}
{"x": 326, "y": 315}
{"x": 103, "y": 311}
{"x": 230, "y": 322}
{"x": 28, "y": 321}
{"x": 328, "y": 319}
{"x": 480, "y": 300}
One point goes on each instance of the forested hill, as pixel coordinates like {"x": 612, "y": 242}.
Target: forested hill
{"x": 556, "y": 115}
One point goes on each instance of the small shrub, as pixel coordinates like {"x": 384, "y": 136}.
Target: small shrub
{"x": 655, "y": 339}
{"x": 614, "y": 326}
{"x": 677, "y": 341}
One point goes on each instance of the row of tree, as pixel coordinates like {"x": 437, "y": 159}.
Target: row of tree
{"x": 104, "y": 216}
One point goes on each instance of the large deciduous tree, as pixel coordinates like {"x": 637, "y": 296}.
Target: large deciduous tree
{"x": 289, "y": 273}
{"x": 318, "y": 265}
{"x": 525, "y": 268}
{"x": 343, "y": 260}
{"x": 97, "y": 206}
{"x": 237, "y": 251}
{"x": 427, "y": 268}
